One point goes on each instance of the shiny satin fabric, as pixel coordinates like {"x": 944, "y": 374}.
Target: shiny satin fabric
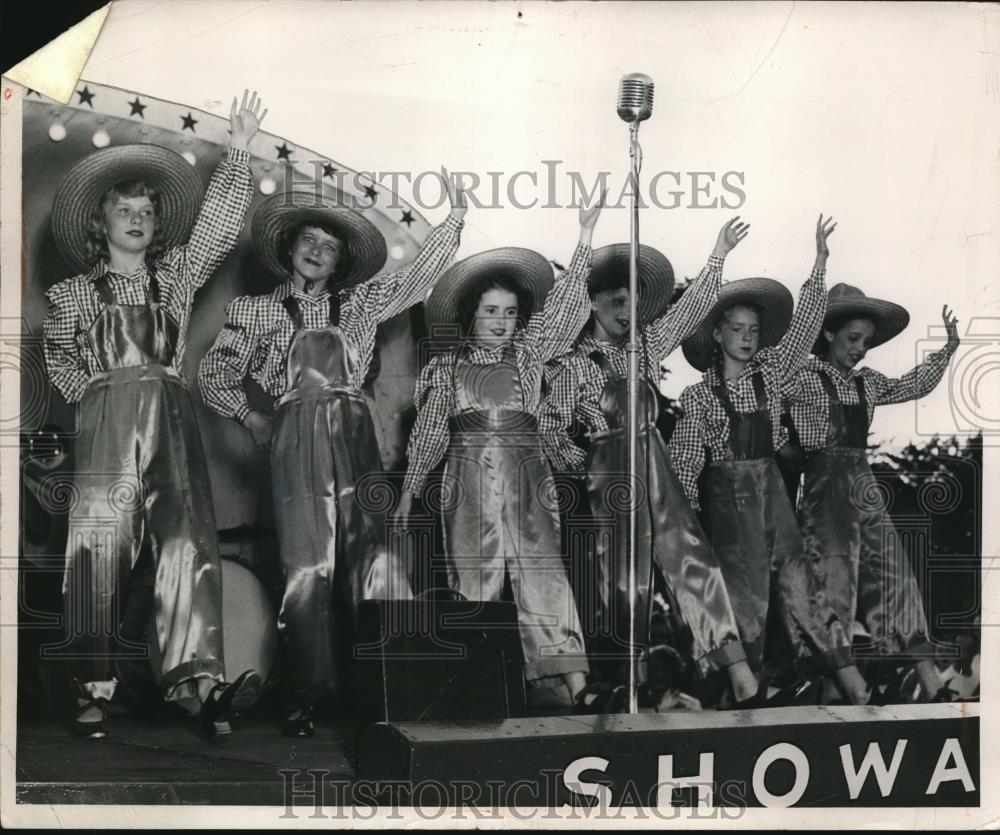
{"x": 751, "y": 524}
{"x": 126, "y": 336}
{"x": 141, "y": 483}
{"x": 501, "y": 517}
{"x": 852, "y": 543}
{"x": 669, "y": 534}
{"x": 330, "y": 515}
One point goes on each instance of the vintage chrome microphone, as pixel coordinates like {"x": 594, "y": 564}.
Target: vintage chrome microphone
{"x": 635, "y": 105}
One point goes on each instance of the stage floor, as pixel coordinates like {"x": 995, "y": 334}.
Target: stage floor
{"x": 152, "y": 761}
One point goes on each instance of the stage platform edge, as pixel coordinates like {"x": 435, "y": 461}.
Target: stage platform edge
{"x": 754, "y": 757}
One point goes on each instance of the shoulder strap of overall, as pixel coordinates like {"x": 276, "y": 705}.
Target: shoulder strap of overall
{"x": 103, "y": 286}
{"x": 291, "y": 305}
{"x": 759, "y": 390}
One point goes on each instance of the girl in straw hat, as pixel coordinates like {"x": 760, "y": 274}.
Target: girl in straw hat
{"x": 309, "y": 344}
{"x": 478, "y": 406}
{"x": 114, "y": 342}
{"x": 589, "y": 385}
{"x": 749, "y": 348}
{"x": 844, "y": 526}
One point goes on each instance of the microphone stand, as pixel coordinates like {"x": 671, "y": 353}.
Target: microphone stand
{"x": 635, "y": 153}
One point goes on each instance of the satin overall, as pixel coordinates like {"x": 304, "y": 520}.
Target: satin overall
{"x": 669, "y": 535}
{"x": 330, "y": 510}
{"x": 501, "y": 516}
{"x": 751, "y": 524}
{"x": 142, "y": 490}
{"x": 852, "y": 542}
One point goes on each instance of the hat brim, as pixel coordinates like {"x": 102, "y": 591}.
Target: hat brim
{"x": 656, "y": 276}
{"x": 281, "y": 213}
{"x": 80, "y": 192}
{"x": 890, "y": 319}
{"x": 771, "y": 298}
{"x": 529, "y": 269}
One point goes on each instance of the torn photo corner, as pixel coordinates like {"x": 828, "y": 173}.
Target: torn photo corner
{"x": 54, "y": 70}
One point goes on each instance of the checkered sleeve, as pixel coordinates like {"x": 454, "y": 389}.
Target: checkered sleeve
{"x": 793, "y": 349}
{"x": 66, "y": 368}
{"x": 224, "y": 367}
{"x": 552, "y": 331}
{"x": 219, "y": 223}
{"x": 683, "y": 318}
{"x": 915, "y": 383}
{"x": 386, "y": 296}
{"x": 556, "y": 415}
{"x": 687, "y": 448}
{"x": 428, "y": 443}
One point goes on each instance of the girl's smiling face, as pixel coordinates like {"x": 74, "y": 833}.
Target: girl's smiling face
{"x": 610, "y": 309}
{"x": 849, "y": 343}
{"x": 495, "y": 318}
{"x": 738, "y": 333}
{"x": 315, "y": 254}
{"x": 129, "y": 223}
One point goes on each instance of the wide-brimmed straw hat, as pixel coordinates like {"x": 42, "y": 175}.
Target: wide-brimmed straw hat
{"x": 281, "y": 213}
{"x": 845, "y": 302}
{"x": 530, "y": 270}
{"x": 84, "y": 185}
{"x": 656, "y": 276}
{"x": 773, "y": 302}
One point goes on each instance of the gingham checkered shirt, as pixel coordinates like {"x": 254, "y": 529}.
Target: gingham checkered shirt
{"x": 807, "y": 401}
{"x": 576, "y": 382}
{"x": 549, "y": 333}
{"x": 180, "y": 271}
{"x": 704, "y": 422}
{"x": 257, "y": 335}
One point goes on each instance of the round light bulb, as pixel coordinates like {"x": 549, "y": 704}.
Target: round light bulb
{"x": 267, "y": 185}
{"x": 57, "y": 132}
{"x": 101, "y": 139}
{"x": 396, "y": 252}
{"x": 190, "y": 157}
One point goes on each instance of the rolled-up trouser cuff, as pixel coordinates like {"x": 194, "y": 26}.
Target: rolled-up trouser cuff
{"x": 729, "y": 653}
{"x": 826, "y": 662}
{"x": 171, "y": 683}
{"x": 557, "y": 665}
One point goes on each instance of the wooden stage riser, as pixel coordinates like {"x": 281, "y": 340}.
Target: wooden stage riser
{"x": 914, "y": 756}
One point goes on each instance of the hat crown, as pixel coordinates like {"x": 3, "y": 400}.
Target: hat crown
{"x": 847, "y": 292}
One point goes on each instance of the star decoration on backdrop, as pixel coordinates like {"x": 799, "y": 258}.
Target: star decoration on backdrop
{"x": 328, "y": 170}
{"x": 136, "y": 108}
{"x": 372, "y": 194}
{"x": 86, "y": 97}
{"x": 284, "y": 152}
{"x": 189, "y": 122}
{"x": 407, "y": 218}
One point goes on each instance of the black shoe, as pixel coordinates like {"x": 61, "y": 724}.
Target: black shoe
{"x": 600, "y": 698}
{"x": 878, "y": 698}
{"x": 91, "y": 730}
{"x": 298, "y": 722}
{"x": 792, "y": 695}
{"x": 225, "y": 700}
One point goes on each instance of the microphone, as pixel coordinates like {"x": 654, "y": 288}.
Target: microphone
{"x": 635, "y": 97}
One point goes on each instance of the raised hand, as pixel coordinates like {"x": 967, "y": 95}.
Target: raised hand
{"x": 824, "y": 228}
{"x": 456, "y": 194}
{"x": 950, "y": 324}
{"x": 588, "y": 217}
{"x": 244, "y": 122}
{"x": 729, "y": 236}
